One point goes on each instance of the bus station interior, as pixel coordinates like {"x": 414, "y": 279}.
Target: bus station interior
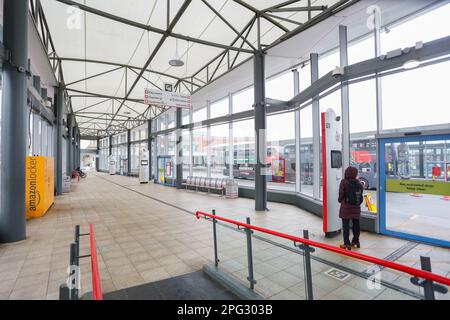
{"x": 251, "y": 147}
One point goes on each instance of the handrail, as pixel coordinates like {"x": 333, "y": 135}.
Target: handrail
{"x": 382, "y": 262}
{"x": 96, "y": 284}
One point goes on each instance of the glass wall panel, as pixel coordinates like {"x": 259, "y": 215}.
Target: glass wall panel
{"x": 36, "y": 134}
{"x": 305, "y": 76}
{"x": 306, "y": 151}
{"x": 29, "y": 132}
{"x": 200, "y": 149}
{"x": 281, "y": 151}
{"x": 243, "y": 100}
{"x": 172, "y": 140}
{"x": 219, "y": 108}
{"x": 161, "y": 123}
{"x": 134, "y": 158}
{"x": 281, "y": 87}
{"x": 186, "y": 147}
{"x": 136, "y": 149}
{"x": 166, "y": 148}
{"x": 361, "y": 49}
{"x": 199, "y": 114}
{"x": 416, "y": 97}
{"x": 139, "y": 133}
{"x": 103, "y": 154}
{"x": 161, "y": 145}
{"x": 413, "y": 175}
{"x": 426, "y": 27}
{"x": 328, "y": 62}
{"x": 186, "y": 116}
{"x": 219, "y": 150}
{"x": 171, "y": 115}
{"x": 363, "y": 126}
{"x": 244, "y": 157}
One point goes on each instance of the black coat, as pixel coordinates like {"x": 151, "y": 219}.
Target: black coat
{"x": 348, "y": 211}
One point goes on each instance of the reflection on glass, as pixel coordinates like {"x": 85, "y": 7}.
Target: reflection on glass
{"x": 306, "y": 152}
{"x": 244, "y": 157}
{"x": 281, "y": 151}
{"x": 200, "y": 145}
{"x": 219, "y": 146}
{"x": 186, "y": 149}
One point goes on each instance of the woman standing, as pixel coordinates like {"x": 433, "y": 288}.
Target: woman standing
{"x": 350, "y": 198}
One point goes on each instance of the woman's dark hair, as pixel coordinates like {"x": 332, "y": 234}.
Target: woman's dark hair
{"x": 351, "y": 173}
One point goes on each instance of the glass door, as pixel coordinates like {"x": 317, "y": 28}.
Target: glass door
{"x": 415, "y": 189}
{"x": 166, "y": 170}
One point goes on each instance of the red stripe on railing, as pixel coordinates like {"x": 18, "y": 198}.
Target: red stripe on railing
{"x": 96, "y": 283}
{"x": 389, "y": 264}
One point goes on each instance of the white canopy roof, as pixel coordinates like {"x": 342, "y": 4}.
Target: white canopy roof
{"x": 103, "y": 46}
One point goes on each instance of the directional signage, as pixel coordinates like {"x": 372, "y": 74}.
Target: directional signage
{"x": 167, "y": 99}
{"x": 168, "y": 87}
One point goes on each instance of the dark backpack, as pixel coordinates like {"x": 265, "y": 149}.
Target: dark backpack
{"x": 353, "y": 194}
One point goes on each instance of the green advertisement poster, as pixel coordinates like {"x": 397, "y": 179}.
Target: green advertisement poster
{"x": 440, "y": 188}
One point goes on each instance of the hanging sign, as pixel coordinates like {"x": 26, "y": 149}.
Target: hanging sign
{"x": 167, "y": 99}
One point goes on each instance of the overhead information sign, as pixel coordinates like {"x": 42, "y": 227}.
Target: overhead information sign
{"x": 167, "y": 99}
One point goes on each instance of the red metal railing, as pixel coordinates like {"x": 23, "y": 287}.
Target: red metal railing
{"x": 389, "y": 264}
{"x": 96, "y": 283}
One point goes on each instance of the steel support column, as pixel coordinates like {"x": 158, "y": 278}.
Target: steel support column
{"x": 70, "y": 145}
{"x": 97, "y": 159}
{"x": 297, "y": 133}
{"x": 149, "y": 148}
{"x": 128, "y": 152}
{"x": 76, "y": 149}
{"x": 314, "y": 60}
{"x": 208, "y": 140}
{"x": 78, "y": 159}
{"x": 377, "y": 40}
{"x": 191, "y": 144}
{"x": 179, "y": 149}
{"x": 14, "y": 122}
{"x": 110, "y": 147}
{"x": 230, "y": 138}
{"x": 345, "y": 112}
{"x": 260, "y": 131}
{"x": 79, "y": 148}
{"x": 59, "y": 138}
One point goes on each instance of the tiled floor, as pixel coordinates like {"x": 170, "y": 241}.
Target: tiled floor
{"x": 142, "y": 240}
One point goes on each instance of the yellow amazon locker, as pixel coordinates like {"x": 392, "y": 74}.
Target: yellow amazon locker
{"x": 40, "y": 184}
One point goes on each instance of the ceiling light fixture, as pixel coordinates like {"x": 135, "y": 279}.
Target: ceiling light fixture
{"x": 176, "y": 61}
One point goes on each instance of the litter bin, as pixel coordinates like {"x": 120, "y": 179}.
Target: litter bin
{"x": 231, "y": 189}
